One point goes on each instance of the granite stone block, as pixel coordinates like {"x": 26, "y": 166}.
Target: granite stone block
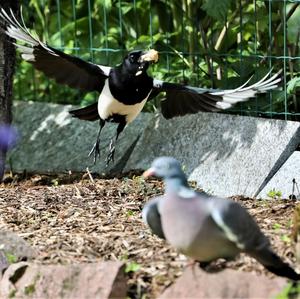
{"x": 286, "y": 180}
{"x": 226, "y": 154}
{"x": 52, "y": 141}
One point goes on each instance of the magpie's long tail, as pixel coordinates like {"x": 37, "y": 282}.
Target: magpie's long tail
{"x": 89, "y": 113}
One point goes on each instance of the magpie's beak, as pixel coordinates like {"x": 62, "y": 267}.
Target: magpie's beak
{"x": 147, "y": 57}
{"x": 149, "y": 172}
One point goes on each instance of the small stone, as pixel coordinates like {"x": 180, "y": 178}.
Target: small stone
{"x": 10, "y": 278}
{"x": 15, "y": 247}
{"x": 104, "y": 280}
{"x": 3, "y": 263}
{"x": 195, "y": 283}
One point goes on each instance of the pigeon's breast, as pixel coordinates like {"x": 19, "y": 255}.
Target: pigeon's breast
{"x": 108, "y": 106}
{"x": 190, "y": 229}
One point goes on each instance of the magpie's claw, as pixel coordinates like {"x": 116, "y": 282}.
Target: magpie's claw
{"x": 96, "y": 151}
{"x": 110, "y": 156}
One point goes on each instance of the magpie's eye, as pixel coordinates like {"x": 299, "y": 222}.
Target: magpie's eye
{"x": 131, "y": 58}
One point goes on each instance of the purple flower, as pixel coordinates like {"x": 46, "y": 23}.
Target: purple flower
{"x": 8, "y": 137}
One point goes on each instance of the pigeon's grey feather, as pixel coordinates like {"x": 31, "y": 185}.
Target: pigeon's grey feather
{"x": 151, "y": 216}
{"x": 206, "y": 227}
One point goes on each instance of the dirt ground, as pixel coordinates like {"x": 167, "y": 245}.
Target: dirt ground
{"x": 73, "y": 218}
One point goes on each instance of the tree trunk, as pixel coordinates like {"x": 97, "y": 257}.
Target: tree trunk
{"x": 7, "y": 64}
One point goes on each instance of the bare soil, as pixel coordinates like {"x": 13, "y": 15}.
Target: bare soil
{"x": 72, "y": 218}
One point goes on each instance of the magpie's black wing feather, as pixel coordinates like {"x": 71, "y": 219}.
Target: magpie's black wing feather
{"x": 89, "y": 113}
{"x": 181, "y": 100}
{"x": 64, "y": 68}
{"x": 69, "y": 70}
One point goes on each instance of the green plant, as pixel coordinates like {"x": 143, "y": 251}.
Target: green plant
{"x": 12, "y": 293}
{"x": 291, "y": 290}
{"x": 274, "y": 194}
{"x": 11, "y": 258}
{"x": 55, "y": 182}
{"x": 29, "y": 290}
{"x": 130, "y": 213}
{"x": 277, "y": 226}
{"x": 286, "y": 239}
{"x": 132, "y": 267}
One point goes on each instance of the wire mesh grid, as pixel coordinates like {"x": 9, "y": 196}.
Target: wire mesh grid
{"x": 219, "y": 45}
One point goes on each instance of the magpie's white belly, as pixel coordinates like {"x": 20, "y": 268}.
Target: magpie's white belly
{"x": 107, "y": 106}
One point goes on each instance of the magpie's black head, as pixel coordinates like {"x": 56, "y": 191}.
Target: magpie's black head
{"x": 137, "y": 62}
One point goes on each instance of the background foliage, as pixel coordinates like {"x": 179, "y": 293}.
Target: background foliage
{"x": 208, "y": 43}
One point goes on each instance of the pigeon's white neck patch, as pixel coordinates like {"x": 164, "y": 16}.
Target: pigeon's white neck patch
{"x": 186, "y": 192}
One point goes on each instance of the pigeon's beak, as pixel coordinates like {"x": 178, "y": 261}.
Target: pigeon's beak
{"x": 150, "y": 56}
{"x": 149, "y": 172}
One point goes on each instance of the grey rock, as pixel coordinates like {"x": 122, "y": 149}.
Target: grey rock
{"x": 3, "y": 263}
{"x": 100, "y": 280}
{"x": 195, "y": 283}
{"x": 226, "y": 154}
{"x": 16, "y": 247}
{"x": 283, "y": 180}
{"x": 53, "y": 141}
{"x": 10, "y": 278}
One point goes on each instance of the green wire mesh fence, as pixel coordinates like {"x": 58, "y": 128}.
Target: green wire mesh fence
{"x": 210, "y": 43}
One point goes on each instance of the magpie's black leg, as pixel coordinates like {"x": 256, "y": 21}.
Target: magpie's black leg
{"x": 95, "y": 149}
{"x": 112, "y": 145}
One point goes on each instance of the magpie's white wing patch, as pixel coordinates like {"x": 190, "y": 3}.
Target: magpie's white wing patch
{"x": 64, "y": 68}
{"x": 105, "y": 69}
{"x": 182, "y": 100}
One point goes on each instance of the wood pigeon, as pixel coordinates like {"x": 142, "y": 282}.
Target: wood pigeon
{"x": 206, "y": 227}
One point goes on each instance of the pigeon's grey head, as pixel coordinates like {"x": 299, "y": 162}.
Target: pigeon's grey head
{"x": 165, "y": 167}
{"x": 137, "y": 62}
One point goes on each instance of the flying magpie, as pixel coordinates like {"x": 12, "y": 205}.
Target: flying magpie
{"x": 125, "y": 88}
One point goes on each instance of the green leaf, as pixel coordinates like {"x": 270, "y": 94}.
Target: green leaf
{"x": 132, "y": 267}
{"x": 286, "y": 292}
{"x": 292, "y": 84}
{"x": 274, "y": 194}
{"x": 11, "y": 258}
{"x": 216, "y": 9}
{"x": 277, "y": 226}
{"x": 286, "y": 239}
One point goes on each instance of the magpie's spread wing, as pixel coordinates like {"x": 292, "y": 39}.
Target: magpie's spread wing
{"x": 64, "y": 68}
{"x": 89, "y": 113}
{"x": 181, "y": 99}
